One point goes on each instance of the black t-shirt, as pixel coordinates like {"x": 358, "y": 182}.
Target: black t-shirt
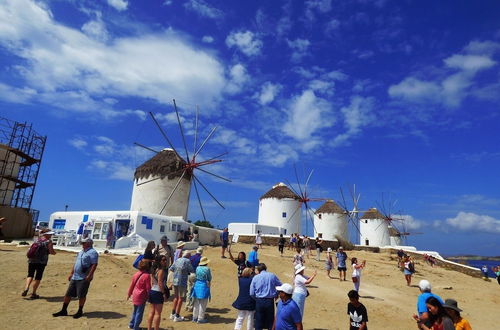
{"x": 281, "y": 241}
{"x": 358, "y": 315}
{"x": 318, "y": 243}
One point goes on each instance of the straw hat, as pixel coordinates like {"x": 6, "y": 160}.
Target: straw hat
{"x": 204, "y": 261}
{"x": 199, "y": 250}
{"x": 180, "y": 244}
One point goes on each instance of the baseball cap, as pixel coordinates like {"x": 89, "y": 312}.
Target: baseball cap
{"x": 286, "y": 288}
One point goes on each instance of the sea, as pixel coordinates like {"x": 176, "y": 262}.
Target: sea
{"x": 481, "y": 263}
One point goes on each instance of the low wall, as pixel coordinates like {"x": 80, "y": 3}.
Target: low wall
{"x": 208, "y": 236}
{"x": 273, "y": 241}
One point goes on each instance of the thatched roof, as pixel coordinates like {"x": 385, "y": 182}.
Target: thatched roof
{"x": 280, "y": 191}
{"x": 166, "y": 163}
{"x": 372, "y": 213}
{"x": 330, "y": 207}
{"x": 394, "y": 232}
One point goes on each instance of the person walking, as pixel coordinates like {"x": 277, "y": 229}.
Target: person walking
{"x": 258, "y": 239}
{"x": 319, "y": 248}
{"x": 181, "y": 268}
{"x": 340, "y": 260}
{"x": 195, "y": 261}
{"x": 37, "y": 264}
{"x": 201, "y": 291}
{"x": 241, "y": 262}
{"x": 139, "y": 291}
{"x": 178, "y": 251}
{"x": 263, "y": 290}
{"x": 356, "y": 272}
{"x": 253, "y": 256}
{"x": 438, "y": 318}
{"x": 358, "y": 316}
{"x": 328, "y": 262}
{"x": 425, "y": 293}
{"x": 281, "y": 244}
{"x": 307, "y": 247}
{"x": 408, "y": 269}
{"x": 157, "y": 292}
{"x": 451, "y": 307}
{"x": 80, "y": 278}
{"x": 244, "y": 303}
{"x": 288, "y": 315}
{"x": 224, "y": 239}
{"x": 298, "y": 258}
{"x": 300, "y": 291}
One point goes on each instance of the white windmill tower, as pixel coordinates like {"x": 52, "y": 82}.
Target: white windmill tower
{"x": 330, "y": 220}
{"x": 162, "y": 184}
{"x": 374, "y": 229}
{"x": 278, "y": 208}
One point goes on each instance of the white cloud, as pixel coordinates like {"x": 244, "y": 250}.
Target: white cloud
{"x": 96, "y": 29}
{"x": 238, "y": 77}
{"x": 237, "y": 143}
{"x": 358, "y": 114}
{"x": 413, "y": 89}
{"x": 268, "y": 93}
{"x": 207, "y": 39}
{"x": 332, "y": 25}
{"x": 78, "y": 143}
{"x": 313, "y": 6}
{"x": 410, "y": 223}
{"x": 471, "y": 222}
{"x": 307, "y": 115}
{"x": 277, "y": 154}
{"x": 247, "y": 42}
{"x": 300, "y": 48}
{"x": 119, "y": 5}
{"x": 469, "y": 62}
{"x": 113, "y": 169}
{"x": 16, "y": 95}
{"x": 61, "y": 61}
{"x": 203, "y": 9}
{"x": 482, "y": 47}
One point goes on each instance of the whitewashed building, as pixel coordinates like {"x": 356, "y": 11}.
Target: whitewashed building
{"x": 374, "y": 229}
{"x": 330, "y": 220}
{"x": 280, "y": 207}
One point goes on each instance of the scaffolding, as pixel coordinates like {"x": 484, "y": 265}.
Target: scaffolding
{"x": 21, "y": 151}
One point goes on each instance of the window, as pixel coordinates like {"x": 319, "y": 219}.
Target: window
{"x": 283, "y": 215}
{"x": 319, "y": 215}
{"x": 100, "y": 230}
{"x": 162, "y": 228}
{"x": 59, "y": 224}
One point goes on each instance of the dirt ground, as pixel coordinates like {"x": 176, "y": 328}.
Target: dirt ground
{"x": 390, "y": 303}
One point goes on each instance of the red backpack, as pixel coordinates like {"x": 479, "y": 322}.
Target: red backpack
{"x": 34, "y": 250}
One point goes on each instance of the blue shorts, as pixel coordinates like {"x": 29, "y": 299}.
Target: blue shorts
{"x": 155, "y": 297}
{"x": 406, "y": 272}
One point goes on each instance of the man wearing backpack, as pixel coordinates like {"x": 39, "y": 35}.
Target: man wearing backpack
{"x": 38, "y": 256}
{"x": 81, "y": 275}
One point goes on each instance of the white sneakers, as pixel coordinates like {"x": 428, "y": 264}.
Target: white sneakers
{"x": 172, "y": 316}
{"x": 178, "y": 319}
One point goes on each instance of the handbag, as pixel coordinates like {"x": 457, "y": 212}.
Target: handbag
{"x": 307, "y": 294}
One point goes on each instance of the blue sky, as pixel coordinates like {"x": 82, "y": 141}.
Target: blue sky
{"x": 399, "y": 97}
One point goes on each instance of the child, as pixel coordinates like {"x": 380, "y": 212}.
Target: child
{"x": 281, "y": 244}
{"x": 328, "y": 262}
{"x": 139, "y": 291}
{"x": 358, "y": 316}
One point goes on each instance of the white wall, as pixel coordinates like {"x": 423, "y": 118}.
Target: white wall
{"x": 252, "y": 228}
{"x": 331, "y": 225}
{"x": 271, "y": 214}
{"x": 376, "y": 231}
{"x": 150, "y": 197}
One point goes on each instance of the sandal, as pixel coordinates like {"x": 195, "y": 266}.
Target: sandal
{"x": 25, "y": 292}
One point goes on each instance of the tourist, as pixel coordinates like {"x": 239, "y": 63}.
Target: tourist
{"x": 181, "y": 268}
{"x": 288, "y": 313}
{"x": 196, "y": 236}
{"x": 328, "y": 262}
{"x": 253, "y": 257}
{"x": 319, "y": 248}
{"x": 195, "y": 261}
{"x": 451, "y": 307}
{"x": 340, "y": 260}
{"x": 408, "y": 269}
{"x": 201, "y": 291}
{"x": 496, "y": 270}
{"x": 258, "y": 239}
{"x": 281, "y": 244}
{"x": 224, "y": 239}
{"x": 358, "y": 316}
{"x": 263, "y": 290}
{"x": 293, "y": 241}
{"x": 157, "y": 292}
{"x": 425, "y": 289}
{"x": 38, "y": 262}
{"x": 438, "y": 318}
{"x": 356, "y": 272}
{"x": 298, "y": 258}
{"x": 300, "y": 291}
{"x": 484, "y": 270}
{"x": 307, "y": 247}
{"x": 241, "y": 262}
{"x": 148, "y": 252}
{"x": 82, "y": 273}
{"x": 244, "y": 303}
{"x": 179, "y": 250}
{"x": 401, "y": 254}
{"x": 165, "y": 250}
{"x": 139, "y": 291}
{"x": 187, "y": 235}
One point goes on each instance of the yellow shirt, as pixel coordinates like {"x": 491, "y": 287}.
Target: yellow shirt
{"x": 463, "y": 324}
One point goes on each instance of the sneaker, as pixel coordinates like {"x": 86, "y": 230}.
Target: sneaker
{"x": 178, "y": 319}
{"x": 25, "y": 292}
{"x": 202, "y": 321}
{"x": 195, "y": 320}
{"x": 60, "y": 313}
{"x": 172, "y": 316}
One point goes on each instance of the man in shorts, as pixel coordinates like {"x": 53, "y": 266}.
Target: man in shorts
{"x": 341, "y": 258}
{"x": 224, "y": 238}
{"x": 181, "y": 268}
{"x": 81, "y": 275}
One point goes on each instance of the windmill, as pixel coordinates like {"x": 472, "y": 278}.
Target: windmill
{"x": 163, "y": 183}
{"x": 353, "y": 214}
